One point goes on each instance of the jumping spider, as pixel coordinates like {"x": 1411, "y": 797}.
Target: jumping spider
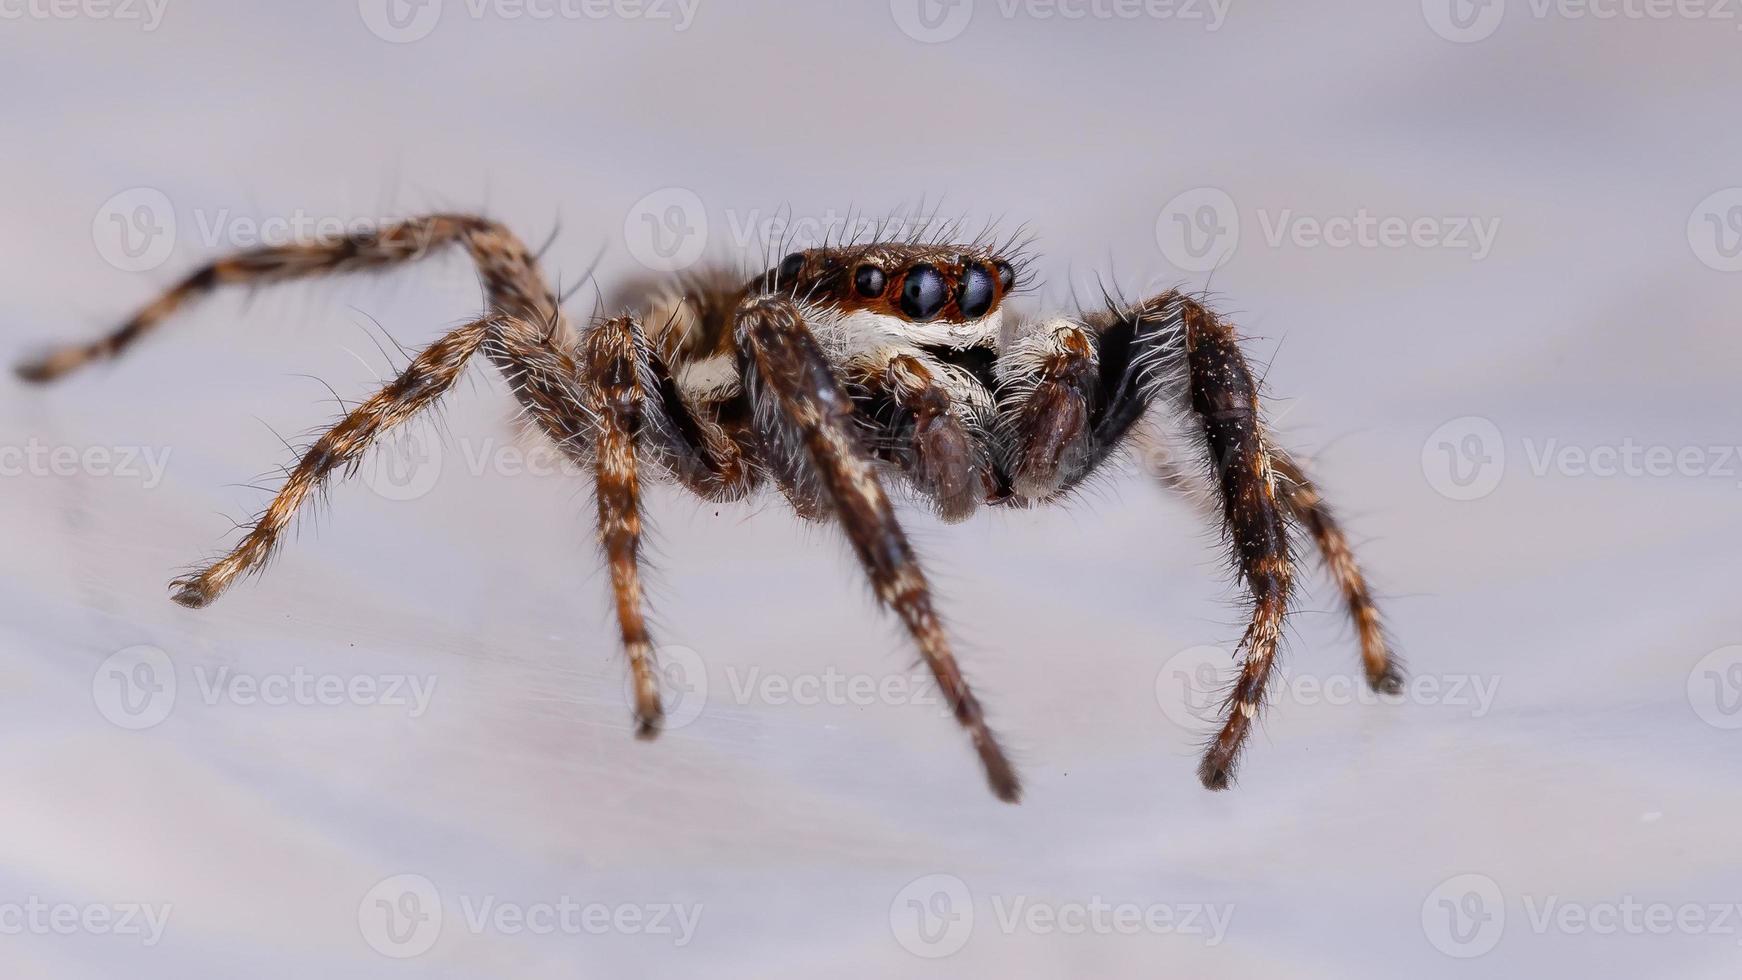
{"x": 836, "y": 370}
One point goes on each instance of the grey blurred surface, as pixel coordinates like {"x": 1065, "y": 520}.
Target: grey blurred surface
{"x": 1590, "y": 592}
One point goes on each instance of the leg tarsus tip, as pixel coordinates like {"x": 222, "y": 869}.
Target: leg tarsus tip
{"x": 1215, "y": 776}
{"x": 190, "y": 593}
{"x": 1390, "y": 681}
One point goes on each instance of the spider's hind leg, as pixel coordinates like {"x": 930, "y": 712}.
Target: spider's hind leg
{"x": 404, "y": 242}
{"x": 1172, "y": 345}
{"x": 1384, "y": 671}
{"x": 431, "y": 373}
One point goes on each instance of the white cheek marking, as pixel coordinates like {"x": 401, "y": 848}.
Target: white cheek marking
{"x": 864, "y": 330}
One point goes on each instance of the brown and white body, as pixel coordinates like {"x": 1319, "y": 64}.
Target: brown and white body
{"x": 830, "y": 376}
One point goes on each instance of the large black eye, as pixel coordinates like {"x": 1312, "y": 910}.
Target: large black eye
{"x": 976, "y": 295}
{"x": 1006, "y": 275}
{"x": 923, "y": 293}
{"x": 790, "y": 267}
{"x": 869, "y": 281}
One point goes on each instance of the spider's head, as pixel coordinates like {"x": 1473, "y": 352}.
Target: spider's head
{"x": 954, "y": 291}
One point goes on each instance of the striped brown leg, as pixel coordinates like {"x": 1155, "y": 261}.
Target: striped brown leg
{"x": 612, "y": 353}
{"x": 423, "y": 381}
{"x": 1384, "y": 672}
{"x": 790, "y": 381}
{"x": 404, "y": 242}
{"x": 1224, "y": 398}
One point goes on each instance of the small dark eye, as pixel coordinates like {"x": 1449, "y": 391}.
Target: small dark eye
{"x": 1006, "y": 275}
{"x": 790, "y": 267}
{"x": 923, "y": 293}
{"x": 869, "y": 281}
{"x": 976, "y": 296}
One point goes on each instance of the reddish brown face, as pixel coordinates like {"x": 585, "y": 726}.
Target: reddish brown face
{"x": 919, "y": 284}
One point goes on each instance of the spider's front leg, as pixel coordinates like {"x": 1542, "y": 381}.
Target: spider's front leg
{"x": 802, "y": 406}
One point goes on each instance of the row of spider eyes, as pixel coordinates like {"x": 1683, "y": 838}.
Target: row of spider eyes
{"x": 924, "y": 290}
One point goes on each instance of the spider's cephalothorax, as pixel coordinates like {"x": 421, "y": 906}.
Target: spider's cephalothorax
{"x": 829, "y": 375}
